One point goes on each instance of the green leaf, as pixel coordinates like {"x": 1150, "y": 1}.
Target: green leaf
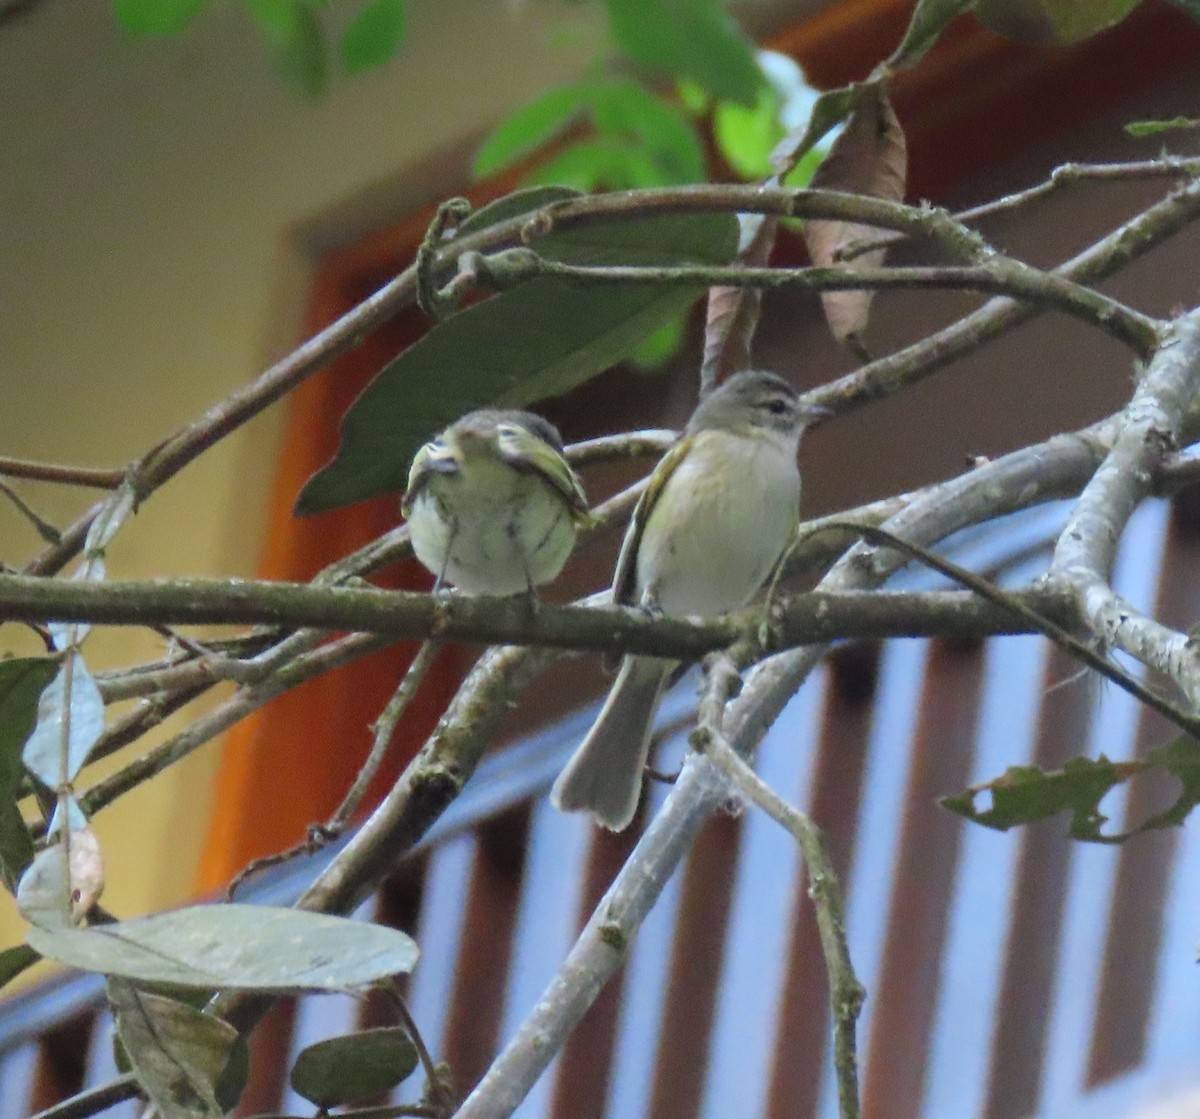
{"x": 929, "y": 20}
{"x": 22, "y": 681}
{"x": 746, "y": 137}
{"x": 374, "y": 35}
{"x": 528, "y": 128}
{"x": 15, "y": 960}
{"x": 657, "y": 349}
{"x": 344, "y": 1069}
{"x": 635, "y": 128}
{"x": 624, "y": 108}
{"x": 534, "y": 341}
{"x": 155, "y": 17}
{"x": 1141, "y": 128}
{"x": 605, "y": 163}
{"x": 249, "y": 947}
{"x": 70, "y": 717}
{"x": 1024, "y": 794}
{"x": 296, "y": 41}
{"x": 514, "y": 205}
{"x": 694, "y": 39}
{"x": 178, "y": 1053}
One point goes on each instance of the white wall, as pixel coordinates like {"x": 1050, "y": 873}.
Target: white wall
{"x": 158, "y": 204}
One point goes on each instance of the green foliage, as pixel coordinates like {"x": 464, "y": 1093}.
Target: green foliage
{"x": 641, "y": 139}
{"x": 344, "y": 1069}
{"x": 22, "y": 681}
{"x": 179, "y": 1054}
{"x": 374, "y": 35}
{"x": 531, "y": 342}
{"x": 1025, "y": 794}
{"x": 929, "y": 20}
{"x": 694, "y": 39}
{"x": 296, "y": 41}
{"x": 249, "y": 947}
{"x": 155, "y": 17}
{"x": 1141, "y": 128}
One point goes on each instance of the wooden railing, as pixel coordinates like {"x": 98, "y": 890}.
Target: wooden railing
{"x": 1008, "y": 974}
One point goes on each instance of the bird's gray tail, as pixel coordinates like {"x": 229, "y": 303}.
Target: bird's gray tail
{"x": 604, "y": 776}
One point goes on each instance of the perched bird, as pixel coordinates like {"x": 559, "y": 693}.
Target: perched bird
{"x": 492, "y": 505}
{"x": 720, "y": 509}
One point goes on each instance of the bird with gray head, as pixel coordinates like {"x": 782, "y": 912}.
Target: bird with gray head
{"x": 721, "y": 508}
{"x": 492, "y": 505}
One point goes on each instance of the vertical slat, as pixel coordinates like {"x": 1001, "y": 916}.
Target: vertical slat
{"x": 696, "y": 959}
{"x": 975, "y": 951}
{"x": 473, "y": 1020}
{"x": 18, "y": 1075}
{"x": 440, "y": 936}
{"x": 1175, "y": 1020}
{"x": 547, "y": 916}
{"x": 1132, "y": 951}
{"x": 769, "y": 888}
{"x": 909, "y": 978}
{"x": 102, "y": 1067}
{"x": 585, "y": 1070}
{"x": 644, "y": 996}
{"x": 839, "y": 767}
{"x": 62, "y": 1062}
{"x": 270, "y": 1047}
{"x": 1091, "y": 881}
{"x": 889, "y": 752}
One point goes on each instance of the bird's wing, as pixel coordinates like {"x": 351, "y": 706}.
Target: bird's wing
{"x": 525, "y": 451}
{"x": 625, "y": 576}
{"x": 435, "y": 457}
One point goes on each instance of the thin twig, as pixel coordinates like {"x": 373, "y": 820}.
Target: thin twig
{"x": 996, "y": 276}
{"x": 92, "y": 1101}
{"x": 92, "y": 478}
{"x": 846, "y": 994}
{"x": 320, "y": 835}
{"x": 41, "y": 526}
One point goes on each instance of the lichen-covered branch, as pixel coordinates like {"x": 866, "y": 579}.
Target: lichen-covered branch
{"x": 1083, "y": 557}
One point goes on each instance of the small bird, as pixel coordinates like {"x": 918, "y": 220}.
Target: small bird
{"x": 492, "y": 505}
{"x": 721, "y": 507}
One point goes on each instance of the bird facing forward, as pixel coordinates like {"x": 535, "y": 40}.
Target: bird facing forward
{"x": 721, "y": 507}
{"x": 492, "y": 505}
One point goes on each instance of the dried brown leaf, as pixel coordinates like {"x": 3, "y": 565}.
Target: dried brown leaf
{"x": 869, "y": 157}
{"x": 732, "y": 314}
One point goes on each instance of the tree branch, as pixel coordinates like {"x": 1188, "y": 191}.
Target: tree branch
{"x": 491, "y": 621}
{"x": 1086, "y": 549}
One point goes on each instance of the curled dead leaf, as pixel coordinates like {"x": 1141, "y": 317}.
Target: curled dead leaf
{"x": 869, "y": 157}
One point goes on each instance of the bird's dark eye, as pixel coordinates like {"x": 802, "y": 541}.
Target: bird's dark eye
{"x": 778, "y": 406}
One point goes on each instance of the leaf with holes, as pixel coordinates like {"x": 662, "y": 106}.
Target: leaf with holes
{"x": 178, "y": 1053}
{"x": 870, "y": 158}
{"x": 1025, "y": 794}
{"x": 344, "y": 1069}
{"x": 249, "y": 947}
{"x": 46, "y": 898}
{"x": 69, "y": 723}
{"x": 522, "y": 345}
